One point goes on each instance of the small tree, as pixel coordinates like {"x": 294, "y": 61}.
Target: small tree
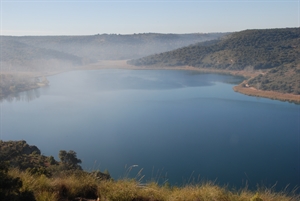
{"x": 52, "y": 160}
{"x": 70, "y": 159}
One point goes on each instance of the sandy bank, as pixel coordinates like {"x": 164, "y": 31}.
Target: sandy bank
{"x": 251, "y": 91}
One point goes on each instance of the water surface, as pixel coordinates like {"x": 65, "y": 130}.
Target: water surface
{"x": 178, "y": 126}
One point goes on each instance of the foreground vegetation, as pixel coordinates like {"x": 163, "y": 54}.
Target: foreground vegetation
{"x": 25, "y": 174}
{"x": 84, "y": 186}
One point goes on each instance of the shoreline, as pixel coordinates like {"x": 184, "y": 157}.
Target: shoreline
{"x": 240, "y": 88}
{"x": 251, "y": 91}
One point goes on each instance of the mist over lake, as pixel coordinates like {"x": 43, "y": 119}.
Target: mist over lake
{"x": 179, "y": 126}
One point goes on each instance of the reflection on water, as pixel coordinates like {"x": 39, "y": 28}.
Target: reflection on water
{"x": 175, "y": 125}
{"x": 124, "y": 80}
{"x": 22, "y": 96}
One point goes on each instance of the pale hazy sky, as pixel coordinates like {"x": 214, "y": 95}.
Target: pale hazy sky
{"x": 69, "y": 17}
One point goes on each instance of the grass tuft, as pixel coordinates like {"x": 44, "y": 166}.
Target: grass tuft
{"x": 72, "y": 186}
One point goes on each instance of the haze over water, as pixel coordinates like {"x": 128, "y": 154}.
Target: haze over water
{"x": 176, "y": 125}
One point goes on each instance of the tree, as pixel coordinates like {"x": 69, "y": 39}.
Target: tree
{"x": 62, "y": 156}
{"x": 52, "y": 160}
{"x": 70, "y": 159}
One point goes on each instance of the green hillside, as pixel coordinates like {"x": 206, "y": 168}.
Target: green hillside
{"x": 276, "y": 49}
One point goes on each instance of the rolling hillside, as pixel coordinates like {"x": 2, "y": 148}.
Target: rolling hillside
{"x": 18, "y": 56}
{"x": 275, "y": 51}
{"x": 46, "y": 53}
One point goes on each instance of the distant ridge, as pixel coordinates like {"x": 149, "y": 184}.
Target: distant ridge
{"x": 275, "y": 51}
{"x": 24, "y": 58}
{"x": 26, "y": 52}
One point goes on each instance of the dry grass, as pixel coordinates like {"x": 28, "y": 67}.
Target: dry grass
{"x": 85, "y": 186}
{"x": 203, "y": 192}
{"x": 128, "y": 190}
{"x": 63, "y": 187}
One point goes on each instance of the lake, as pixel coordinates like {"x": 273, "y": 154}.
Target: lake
{"x": 175, "y": 126}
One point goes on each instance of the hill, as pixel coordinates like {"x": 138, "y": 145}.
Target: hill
{"x": 48, "y": 53}
{"x": 116, "y": 46}
{"x": 22, "y": 57}
{"x": 273, "y": 51}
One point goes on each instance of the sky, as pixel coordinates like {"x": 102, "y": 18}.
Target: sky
{"x": 90, "y": 17}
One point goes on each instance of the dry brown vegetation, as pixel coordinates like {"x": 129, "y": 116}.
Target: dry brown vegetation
{"x": 86, "y": 187}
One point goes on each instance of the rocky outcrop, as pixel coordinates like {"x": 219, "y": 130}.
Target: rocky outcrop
{"x": 30, "y": 150}
{"x": 20, "y": 147}
{"x": 20, "y": 154}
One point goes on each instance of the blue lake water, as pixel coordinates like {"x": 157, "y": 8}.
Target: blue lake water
{"x": 178, "y": 126}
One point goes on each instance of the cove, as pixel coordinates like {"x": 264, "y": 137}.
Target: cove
{"x": 176, "y": 126}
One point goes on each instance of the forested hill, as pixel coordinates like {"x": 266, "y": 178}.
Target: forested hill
{"x": 48, "y": 52}
{"x": 19, "y": 56}
{"x": 276, "y": 49}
